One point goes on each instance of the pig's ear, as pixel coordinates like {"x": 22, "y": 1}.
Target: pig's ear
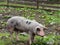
{"x": 38, "y": 29}
{"x": 45, "y": 28}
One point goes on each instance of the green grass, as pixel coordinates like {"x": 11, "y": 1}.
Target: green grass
{"x": 38, "y": 40}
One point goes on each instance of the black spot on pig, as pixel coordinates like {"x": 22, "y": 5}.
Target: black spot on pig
{"x": 12, "y": 22}
{"x": 27, "y": 22}
{"x": 17, "y": 24}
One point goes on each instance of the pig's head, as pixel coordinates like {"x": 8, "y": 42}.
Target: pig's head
{"x": 40, "y": 31}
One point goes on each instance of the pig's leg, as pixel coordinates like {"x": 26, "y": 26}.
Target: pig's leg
{"x": 16, "y": 32}
{"x": 31, "y": 38}
{"x": 11, "y": 33}
{"x": 17, "y": 37}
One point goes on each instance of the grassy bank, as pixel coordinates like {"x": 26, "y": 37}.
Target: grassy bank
{"x": 47, "y": 40}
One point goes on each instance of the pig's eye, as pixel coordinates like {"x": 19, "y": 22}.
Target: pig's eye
{"x": 38, "y": 29}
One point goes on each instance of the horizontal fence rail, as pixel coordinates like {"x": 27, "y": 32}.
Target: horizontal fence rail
{"x": 36, "y": 3}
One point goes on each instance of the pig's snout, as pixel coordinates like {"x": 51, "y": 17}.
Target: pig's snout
{"x": 42, "y": 33}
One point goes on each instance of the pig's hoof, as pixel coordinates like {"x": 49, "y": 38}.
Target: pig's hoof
{"x": 18, "y": 40}
{"x": 28, "y": 43}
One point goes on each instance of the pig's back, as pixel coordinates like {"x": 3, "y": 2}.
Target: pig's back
{"x": 18, "y": 22}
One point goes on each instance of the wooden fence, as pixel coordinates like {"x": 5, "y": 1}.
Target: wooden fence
{"x": 36, "y": 3}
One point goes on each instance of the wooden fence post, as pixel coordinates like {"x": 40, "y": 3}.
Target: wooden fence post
{"x": 37, "y": 1}
{"x": 7, "y": 1}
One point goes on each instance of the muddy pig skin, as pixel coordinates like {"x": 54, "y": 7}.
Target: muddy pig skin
{"x": 20, "y": 24}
